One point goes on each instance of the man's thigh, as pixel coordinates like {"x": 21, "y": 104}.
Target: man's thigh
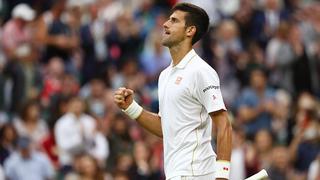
{"x": 203, "y": 177}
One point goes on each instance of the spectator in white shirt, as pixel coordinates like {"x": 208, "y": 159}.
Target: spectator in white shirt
{"x": 75, "y": 133}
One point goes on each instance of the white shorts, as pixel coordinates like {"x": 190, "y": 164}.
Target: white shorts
{"x": 202, "y": 177}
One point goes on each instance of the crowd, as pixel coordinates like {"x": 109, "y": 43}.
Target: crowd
{"x": 61, "y": 60}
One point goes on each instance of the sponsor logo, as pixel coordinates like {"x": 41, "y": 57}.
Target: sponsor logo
{"x": 178, "y": 80}
{"x": 210, "y": 87}
{"x": 214, "y": 97}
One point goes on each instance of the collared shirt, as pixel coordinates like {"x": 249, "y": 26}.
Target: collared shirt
{"x": 37, "y": 167}
{"x": 187, "y": 93}
{"x": 73, "y": 135}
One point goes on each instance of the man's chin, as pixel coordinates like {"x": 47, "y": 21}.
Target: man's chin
{"x": 165, "y": 43}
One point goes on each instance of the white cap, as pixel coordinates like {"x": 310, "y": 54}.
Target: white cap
{"x": 23, "y": 11}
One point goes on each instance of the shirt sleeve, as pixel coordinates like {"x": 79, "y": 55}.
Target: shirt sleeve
{"x": 207, "y": 90}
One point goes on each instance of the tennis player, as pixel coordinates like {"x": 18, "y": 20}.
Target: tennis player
{"x": 189, "y": 100}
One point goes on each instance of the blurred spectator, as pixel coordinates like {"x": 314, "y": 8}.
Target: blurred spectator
{"x": 69, "y": 86}
{"x": 93, "y": 44}
{"x": 86, "y": 168}
{"x": 124, "y": 40}
{"x": 226, "y": 51}
{"x": 244, "y": 17}
{"x": 238, "y": 167}
{"x": 282, "y": 118}
{"x": 95, "y": 99}
{"x": 58, "y": 108}
{"x": 120, "y": 140}
{"x": 305, "y": 145}
{"x": 83, "y": 138}
{"x": 302, "y": 74}
{"x": 146, "y": 15}
{"x": 8, "y": 137}
{"x": 27, "y": 163}
{"x": 142, "y": 168}
{"x": 255, "y": 106}
{"x": 120, "y": 176}
{"x": 52, "y": 80}
{"x": 56, "y": 35}
{"x": 278, "y": 58}
{"x": 267, "y": 20}
{"x": 80, "y": 136}
{"x": 29, "y": 124}
{"x": 123, "y": 162}
{"x": 280, "y": 166}
{"x": 154, "y": 57}
{"x": 110, "y": 10}
{"x": 17, "y": 46}
{"x": 259, "y": 155}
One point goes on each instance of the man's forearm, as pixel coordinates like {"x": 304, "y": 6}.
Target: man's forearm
{"x": 224, "y": 135}
{"x": 151, "y": 122}
{"x": 224, "y": 143}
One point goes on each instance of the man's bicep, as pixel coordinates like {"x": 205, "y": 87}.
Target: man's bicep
{"x": 219, "y": 119}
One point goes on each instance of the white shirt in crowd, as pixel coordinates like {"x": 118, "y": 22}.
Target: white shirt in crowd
{"x": 187, "y": 93}
{"x": 237, "y": 169}
{"x": 314, "y": 170}
{"x": 2, "y": 176}
{"x": 79, "y": 135}
{"x": 37, "y": 135}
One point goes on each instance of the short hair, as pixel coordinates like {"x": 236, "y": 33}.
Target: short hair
{"x": 196, "y": 16}
{"x": 24, "y": 110}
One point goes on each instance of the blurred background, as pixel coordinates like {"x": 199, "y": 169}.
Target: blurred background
{"x": 61, "y": 60}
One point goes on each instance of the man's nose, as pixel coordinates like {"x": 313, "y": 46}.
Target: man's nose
{"x": 165, "y": 25}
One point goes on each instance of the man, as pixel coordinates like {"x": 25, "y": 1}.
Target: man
{"x": 82, "y": 137}
{"x": 17, "y": 44}
{"x": 189, "y": 97}
{"x": 255, "y": 105}
{"x": 28, "y": 163}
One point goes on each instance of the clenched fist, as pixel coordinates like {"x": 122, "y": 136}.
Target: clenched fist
{"x": 123, "y": 97}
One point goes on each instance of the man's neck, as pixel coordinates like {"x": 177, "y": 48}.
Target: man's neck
{"x": 178, "y": 52}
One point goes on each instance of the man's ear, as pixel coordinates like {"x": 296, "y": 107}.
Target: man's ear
{"x": 191, "y": 31}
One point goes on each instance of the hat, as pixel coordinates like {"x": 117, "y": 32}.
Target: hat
{"x": 23, "y": 11}
{"x": 23, "y": 142}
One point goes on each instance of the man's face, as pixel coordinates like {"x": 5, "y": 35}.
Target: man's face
{"x": 258, "y": 80}
{"x": 76, "y": 106}
{"x": 174, "y": 29}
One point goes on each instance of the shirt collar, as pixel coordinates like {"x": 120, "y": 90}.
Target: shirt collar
{"x": 185, "y": 60}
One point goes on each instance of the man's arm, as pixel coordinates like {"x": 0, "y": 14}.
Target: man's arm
{"x": 224, "y": 135}
{"x": 150, "y": 121}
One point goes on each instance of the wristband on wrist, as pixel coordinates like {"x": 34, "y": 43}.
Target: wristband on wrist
{"x": 222, "y": 169}
{"x": 134, "y": 110}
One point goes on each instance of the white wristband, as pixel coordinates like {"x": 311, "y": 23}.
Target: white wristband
{"x": 134, "y": 110}
{"x": 222, "y": 169}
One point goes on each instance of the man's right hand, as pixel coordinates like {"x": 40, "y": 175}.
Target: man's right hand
{"x": 123, "y": 97}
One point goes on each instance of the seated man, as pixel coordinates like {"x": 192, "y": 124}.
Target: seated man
{"x": 255, "y": 106}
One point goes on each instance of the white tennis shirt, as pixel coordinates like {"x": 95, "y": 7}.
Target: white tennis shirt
{"x": 187, "y": 93}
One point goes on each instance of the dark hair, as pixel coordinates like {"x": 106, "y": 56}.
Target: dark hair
{"x": 196, "y": 16}
{"x": 3, "y": 130}
{"x": 26, "y": 106}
